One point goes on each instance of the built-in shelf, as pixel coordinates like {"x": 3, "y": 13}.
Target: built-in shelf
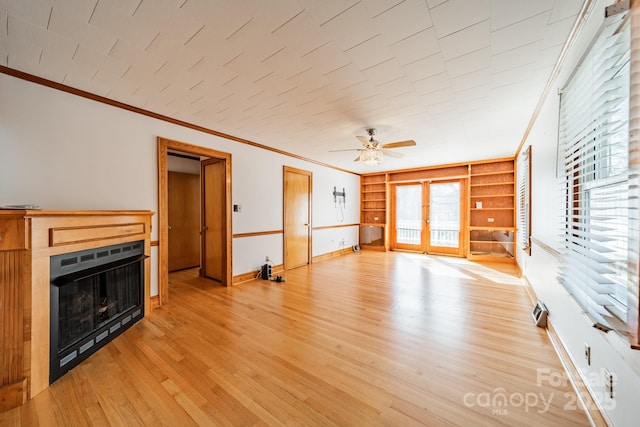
{"x": 493, "y": 183}
{"x": 489, "y": 196}
{"x": 491, "y": 210}
{"x": 494, "y": 173}
{"x": 373, "y": 211}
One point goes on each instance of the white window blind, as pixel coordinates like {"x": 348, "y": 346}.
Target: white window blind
{"x": 593, "y": 138}
{"x": 524, "y": 199}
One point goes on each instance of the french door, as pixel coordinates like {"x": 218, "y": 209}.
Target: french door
{"x": 428, "y": 217}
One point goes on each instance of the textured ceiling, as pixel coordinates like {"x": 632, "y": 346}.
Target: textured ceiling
{"x": 460, "y": 77}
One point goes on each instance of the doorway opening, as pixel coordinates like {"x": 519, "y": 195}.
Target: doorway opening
{"x": 215, "y": 238}
{"x": 428, "y": 216}
{"x": 184, "y": 196}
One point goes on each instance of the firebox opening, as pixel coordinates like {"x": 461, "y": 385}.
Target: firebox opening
{"x": 95, "y": 295}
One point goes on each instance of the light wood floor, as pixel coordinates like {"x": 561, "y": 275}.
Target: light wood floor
{"x": 360, "y": 340}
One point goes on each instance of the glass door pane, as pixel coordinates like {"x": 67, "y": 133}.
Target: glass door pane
{"x": 408, "y": 214}
{"x": 444, "y": 215}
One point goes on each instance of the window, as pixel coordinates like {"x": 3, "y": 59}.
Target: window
{"x": 594, "y": 145}
{"x": 524, "y": 200}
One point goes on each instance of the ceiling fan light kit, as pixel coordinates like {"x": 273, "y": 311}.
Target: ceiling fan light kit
{"x": 371, "y": 153}
{"x": 371, "y": 157}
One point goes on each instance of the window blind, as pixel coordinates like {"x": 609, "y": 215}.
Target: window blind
{"x": 524, "y": 199}
{"x": 593, "y": 143}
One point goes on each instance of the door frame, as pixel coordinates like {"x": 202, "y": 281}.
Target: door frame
{"x": 284, "y": 206}
{"x": 425, "y": 186}
{"x": 164, "y": 145}
{"x": 393, "y": 234}
{"x": 439, "y": 250}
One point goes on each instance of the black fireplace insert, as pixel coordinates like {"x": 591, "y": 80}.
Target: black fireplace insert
{"x": 95, "y": 296}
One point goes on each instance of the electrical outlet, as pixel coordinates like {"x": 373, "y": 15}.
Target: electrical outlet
{"x": 609, "y": 379}
{"x": 267, "y": 259}
{"x": 587, "y": 353}
{"x": 490, "y": 219}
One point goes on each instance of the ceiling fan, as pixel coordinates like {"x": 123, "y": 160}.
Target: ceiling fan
{"x": 372, "y": 151}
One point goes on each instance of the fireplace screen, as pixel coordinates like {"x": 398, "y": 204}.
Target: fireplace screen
{"x": 89, "y": 303}
{"x": 95, "y": 296}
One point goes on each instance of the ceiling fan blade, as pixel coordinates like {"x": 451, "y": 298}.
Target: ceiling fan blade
{"x": 363, "y": 139}
{"x": 408, "y": 143}
{"x": 357, "y": 159}
{"x": 348, "y": 149}
{"x": 392, "y": 154}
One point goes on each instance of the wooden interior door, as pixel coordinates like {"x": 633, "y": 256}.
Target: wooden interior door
{"x": 184, "y": 220}
{"x": 297, "y": 217}
{"x": 214, "y": 219}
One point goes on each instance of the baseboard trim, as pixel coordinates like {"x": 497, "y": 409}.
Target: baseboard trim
{"x": 597, "y": 417}
{"x": 155, "y": 301}
{"x": 13, "y": 395}
{"x": 340, "y": 252}
{"x": 252, "y": 275}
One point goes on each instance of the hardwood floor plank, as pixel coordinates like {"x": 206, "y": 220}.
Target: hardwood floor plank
{"x": 370, "y": 339}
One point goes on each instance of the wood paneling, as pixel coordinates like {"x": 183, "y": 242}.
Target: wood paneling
{"x": 379, "y": 338}
{"x": 12, "y": 234}
{"x": 25, "y": 284}
{"x": 68, "y": 235}
{"x": 12, "y": 391}
{"x": 429, "y": 174}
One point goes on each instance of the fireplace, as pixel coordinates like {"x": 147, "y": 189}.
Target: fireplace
{"x": 96, "y": 295}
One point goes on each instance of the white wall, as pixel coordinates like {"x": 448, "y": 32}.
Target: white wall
{"x": 61, "y": 151}
{"x": 183, "y": 165}
{"x": 608, "y": 351}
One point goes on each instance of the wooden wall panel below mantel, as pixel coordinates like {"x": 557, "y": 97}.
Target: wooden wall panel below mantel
{"x": 68, "y": 235}
{"x": 12, "y": 235}
{"x": 12, "y": 378}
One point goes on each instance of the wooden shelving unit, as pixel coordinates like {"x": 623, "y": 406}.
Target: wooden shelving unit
{"x": 373, "y": 212}
{"x": 492, "y": 211}
{"x": 489, "y": 214}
